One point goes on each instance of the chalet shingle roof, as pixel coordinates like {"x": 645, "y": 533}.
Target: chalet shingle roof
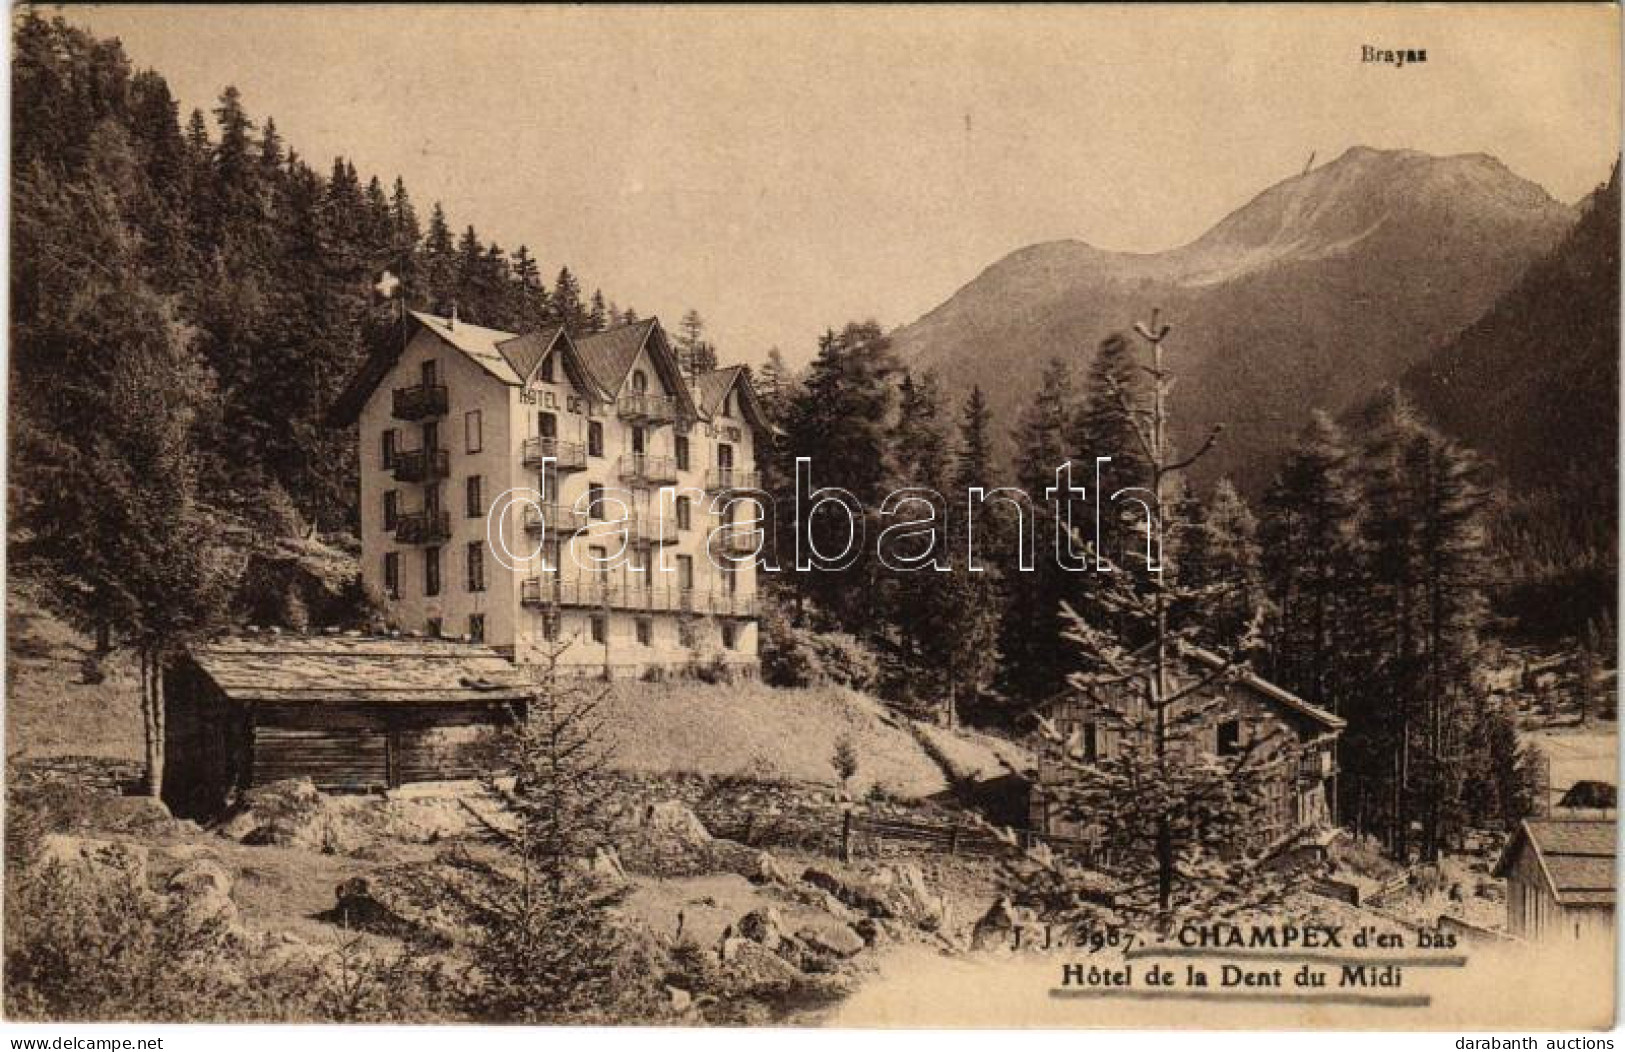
{"x": 524, "y": 353}
{"x": 369, "y": 670}
{"x": 479, "y": 343}
{"x": 712, "y": 387}
{"x": 610, "y": 354}
{"x": 1575, "y": 854}
{"x": 1281, "y": 695}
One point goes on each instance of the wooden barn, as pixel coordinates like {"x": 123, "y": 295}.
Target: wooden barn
{"x": 1560, "y": 878}
{"x": 351, "y": 713}
{"x": 1259, "y": 717}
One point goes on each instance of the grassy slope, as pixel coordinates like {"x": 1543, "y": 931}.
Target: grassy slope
{"x": 49, "y": 710}
{"x": 748, "y": 729}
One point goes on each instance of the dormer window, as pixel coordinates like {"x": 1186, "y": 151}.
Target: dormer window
{"x": 547, "y": 369}
{"x": 640, "y": 382}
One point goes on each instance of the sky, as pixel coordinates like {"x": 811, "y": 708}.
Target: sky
{"x": 785, "y": 170}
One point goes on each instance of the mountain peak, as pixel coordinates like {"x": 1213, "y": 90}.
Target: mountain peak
{"x": 1367, "y": 192}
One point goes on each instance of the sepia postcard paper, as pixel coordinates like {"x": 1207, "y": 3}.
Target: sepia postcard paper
{"x": 991, "y": 516}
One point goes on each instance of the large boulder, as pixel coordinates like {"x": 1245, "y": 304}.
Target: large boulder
{"x": 293, "y": 813}
{"x": 100, "y": 861}
{"x": 998, "y": 927}
{"x": 898, "y": 892}
{"x": 203, "y": 889}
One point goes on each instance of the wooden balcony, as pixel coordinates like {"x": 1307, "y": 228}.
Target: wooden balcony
{"x": 736, "y": 542}
{"x": 554, "y": 520}
{"x": 423, "y": 527}
{"x": 645, "y": 469}
{"x": 567, "y": 456}
{"x": 422, "y": 465}
{"x": 647, "y": 530}
{"x": 422, "y": 402}
{"x": 733, "y": 604}
{"x": 647, "y": 408}
{"x": 723, "y": 480}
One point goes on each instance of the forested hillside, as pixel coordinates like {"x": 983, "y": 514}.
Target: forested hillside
{"x": 257, "y": 266}
{"x": 1534, "y": 385}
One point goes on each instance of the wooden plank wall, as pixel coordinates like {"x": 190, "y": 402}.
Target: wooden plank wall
{"x": 359, "y": 748}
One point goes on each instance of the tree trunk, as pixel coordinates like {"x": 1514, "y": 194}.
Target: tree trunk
{"x": 152, "y": 719}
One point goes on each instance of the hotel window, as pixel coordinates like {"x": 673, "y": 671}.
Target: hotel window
{"x": 682, "y": 452}
{"x": 472, "y": 438}
{"x": 476, "y": 566}
{"x": 646, "y": 632}
{"x": 730, "y": 635}
{"x": 547, "y": 369}
{"x": 685, "y": 514}
{"x": 392, "y": 575}
{"x": 1229, "y": 737}
{"x": 476, "y": 506}
{"x": 431, "y": 373}
{"x": 595, "y": 500}
{"x": 392, "y": 509}
{"x": 476, "y": 628}
{"x": 600, "y": 629}
{"x": 595, "y": 438}
{"x": 550, "y": 627}
{"x": 388, "y": 441}
{"x": 431, "y": 571}
{"x": 434, "y": 628}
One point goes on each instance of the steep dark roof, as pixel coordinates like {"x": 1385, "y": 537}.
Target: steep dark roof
{"x": 525, "y": 352}
{"x": 611, "y": 353}
{"x": 1576, "y": 856}
{"x": 370, "y": 670}
{"x": 712, "y": 387}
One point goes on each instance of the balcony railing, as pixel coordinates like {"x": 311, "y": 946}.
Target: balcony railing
{"x": 720, "y": 480}
{"x": 548, "y": 591}
{"x": 554, "y": 519}
{"x": 647, "y": 408}
{"x": 423, "y": 527}
{"x": 567, "y": 456}
{"x": 420, "y": 402}
{"x": 646, "y": 530}
{"x": 647, "y": 469}
{"x": 733, "y": 604}
{"x": 736, "y": 541}
{"x": 422, "y": 465}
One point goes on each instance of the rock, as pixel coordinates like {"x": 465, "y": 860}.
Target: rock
{"x": 769, "y": 870}
{"x": 764, "y": 927}
{"x": 203, "y": 887}
{"x": 606, "y": 866}
{"x": 849, "y": 890}
{"x": 102, "y": 861}
{"x": 997, "y": 927}
{"x": 873, "y": 932}
{"x": 292, "y": 813}
{"x": 836, "y": 939}
{"x": 751, "y": 968}
{"x": 679, "y": 1000}
{"x": 896, "y": 892}
{"x": 422, "y": 899}
{"x": 910, "y": 898}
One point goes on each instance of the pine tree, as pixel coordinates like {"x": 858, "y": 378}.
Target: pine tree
{"x": 1159, "y": 795}
{"x": 597, "y": 314}
{"x": 1036, "y": 660}
{"x": 567, "y": 308}
{"x": 545, "y": 936}
{"x": 1220, "y": 557}
{"x": 1309, "y": 538}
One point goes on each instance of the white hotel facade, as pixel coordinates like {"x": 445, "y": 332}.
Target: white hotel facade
{"x": 622, "y": 529}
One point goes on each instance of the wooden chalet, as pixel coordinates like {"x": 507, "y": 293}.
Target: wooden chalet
{"x": 1294, "y": 744}
{"x": 351, "y": 713}
{"x": 1560, "y": 878}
